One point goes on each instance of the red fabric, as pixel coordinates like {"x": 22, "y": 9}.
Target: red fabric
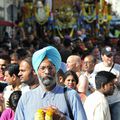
{"x": 6, "y": 23}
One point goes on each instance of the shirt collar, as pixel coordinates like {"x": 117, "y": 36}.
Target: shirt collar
{"x": 43, "y": 92}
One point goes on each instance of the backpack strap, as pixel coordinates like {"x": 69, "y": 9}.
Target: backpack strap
{"x": 111, "y": 67}
{"x": 68, "y": 104}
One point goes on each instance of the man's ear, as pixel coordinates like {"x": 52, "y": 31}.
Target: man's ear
{"x": 14, "y": 77}
{"x": 103, "y": 86}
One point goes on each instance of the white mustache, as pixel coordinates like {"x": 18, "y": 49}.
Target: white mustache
{"x": 48, "y": 77}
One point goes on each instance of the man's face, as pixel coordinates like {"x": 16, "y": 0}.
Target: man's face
{"x": 2, "y": 66}
{"x": 109, "y": 88}
{"x": 71, "y": 63}
{"x": 14, "y": 59}
{"x": 88, "y": 64}
{"x": 47, "y": 73}
{"x": 108, "y": 60}
{"x": 96, "y": 52}
{"x": 25, "y": 72}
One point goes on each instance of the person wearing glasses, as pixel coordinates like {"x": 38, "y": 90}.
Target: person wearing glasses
{"x": 108, "y": 64}
{"x": 46, "y": 63}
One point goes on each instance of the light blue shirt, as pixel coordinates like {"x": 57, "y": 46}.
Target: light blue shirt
{"x": 37, "y": 98}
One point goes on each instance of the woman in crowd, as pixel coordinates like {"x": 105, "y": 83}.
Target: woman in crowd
{"x": 70, "y": 79}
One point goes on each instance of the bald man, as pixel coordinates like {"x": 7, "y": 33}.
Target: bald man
{"x": 74, "y": 64}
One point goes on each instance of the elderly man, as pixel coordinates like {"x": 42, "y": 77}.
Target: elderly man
{"x": 74, "y": 64}
{"x": 46, "y": 62}
{"x": 88, "y": 67}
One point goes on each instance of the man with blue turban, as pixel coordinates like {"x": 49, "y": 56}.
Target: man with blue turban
{"x": 51, "y": 53}
{"x": 46, "y": 62}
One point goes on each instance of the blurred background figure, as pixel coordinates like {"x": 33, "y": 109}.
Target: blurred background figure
{"x": 117, "y": 57}
{"x": 14, "y": 58}
{"x": 13, "y": 81}
{"x": 60, "y": 75}
{"x": 8, "y": 114}
{"x": 96, "y": 53}
{"x": 4, "y": 60}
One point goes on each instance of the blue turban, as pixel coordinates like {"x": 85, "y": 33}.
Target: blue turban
{"x": 51, "y": 53}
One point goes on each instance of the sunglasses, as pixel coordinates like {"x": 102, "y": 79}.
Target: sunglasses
{"x": 111, "y": 55}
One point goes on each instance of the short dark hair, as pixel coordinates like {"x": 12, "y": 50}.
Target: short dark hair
{"x": 70, "y": 72}
{"x": 28, "y": 60}
{"x": 103, "y": 77}
{"x": 12, "y": 69}
{"x": 5, "y": 57}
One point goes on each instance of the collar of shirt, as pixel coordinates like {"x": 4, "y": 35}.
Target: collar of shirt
{"x": 52, "y": 92}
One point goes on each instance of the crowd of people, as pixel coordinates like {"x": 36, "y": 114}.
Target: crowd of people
{"x": 77, "y": 79}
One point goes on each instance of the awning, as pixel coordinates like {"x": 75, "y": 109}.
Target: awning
{"x": 6, "y": 23}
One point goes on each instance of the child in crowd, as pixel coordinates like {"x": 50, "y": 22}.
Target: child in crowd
{"x": 8, "y": 113}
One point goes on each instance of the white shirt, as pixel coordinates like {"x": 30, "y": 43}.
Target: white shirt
{"x": 96, "y": 107}
{"x": 9, "y": 90}
{"x": 116, "y": 71}
{"x": 83, "y": 83}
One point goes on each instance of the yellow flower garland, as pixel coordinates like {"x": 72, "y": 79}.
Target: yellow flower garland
{"x": 39, "y": 115}
{"x": 71, "y": 33}
{"x": 101, "y": 11}
{"x": 65, "y": 17}
{"x": 44, "y": 114}
{"x": 103, "y": 15}
{"x": 89, "y": 17}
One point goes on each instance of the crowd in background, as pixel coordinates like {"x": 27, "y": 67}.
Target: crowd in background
{"x": 82, "y": 58}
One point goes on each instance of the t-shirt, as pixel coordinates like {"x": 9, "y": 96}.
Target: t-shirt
{"x": 96, "y": 107}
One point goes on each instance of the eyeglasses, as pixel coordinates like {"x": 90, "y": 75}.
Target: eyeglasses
{"x": 111, "y": 55}
{"x": 44, "y": 68}
{"x": 87, "y": 62}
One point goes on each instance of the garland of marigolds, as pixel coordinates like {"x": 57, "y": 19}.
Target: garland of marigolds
{"x": 71, "y": 33}
{"x": 89, "y": 16}
{"x": 41, "y": 115}
{"x": 103, "y": 15}
{"x": 65, "y": 17}
{"x": 48, "y": 114}
{"x": 94, "y": 10}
